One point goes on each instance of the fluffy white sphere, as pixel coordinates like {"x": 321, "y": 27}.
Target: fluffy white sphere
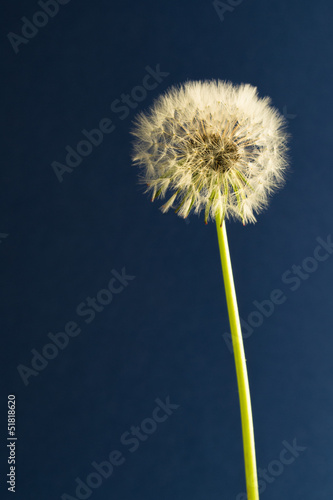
{"x": 216, "y": 146}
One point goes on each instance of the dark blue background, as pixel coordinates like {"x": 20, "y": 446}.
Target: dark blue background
{"x": 163, "y": 334}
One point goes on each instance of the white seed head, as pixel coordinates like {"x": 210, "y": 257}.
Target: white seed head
{"x": 214, "y": 146}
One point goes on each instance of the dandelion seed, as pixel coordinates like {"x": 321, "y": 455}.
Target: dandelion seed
{"x": 215, "y": 147}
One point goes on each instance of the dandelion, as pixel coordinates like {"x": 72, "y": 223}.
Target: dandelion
{"x": 215, "y": 146}
{"x": 219, "y": 148}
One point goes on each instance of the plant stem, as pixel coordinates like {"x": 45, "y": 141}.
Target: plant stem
{"x": 240, "y": 362}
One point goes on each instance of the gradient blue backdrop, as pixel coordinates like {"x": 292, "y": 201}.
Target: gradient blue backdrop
{"x": 163, "y": 335}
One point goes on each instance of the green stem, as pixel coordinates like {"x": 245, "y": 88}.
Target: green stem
{"x": 240, "y": 362}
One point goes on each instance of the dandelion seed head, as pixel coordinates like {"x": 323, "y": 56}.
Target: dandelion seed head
{"x": 212, "y": 146}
